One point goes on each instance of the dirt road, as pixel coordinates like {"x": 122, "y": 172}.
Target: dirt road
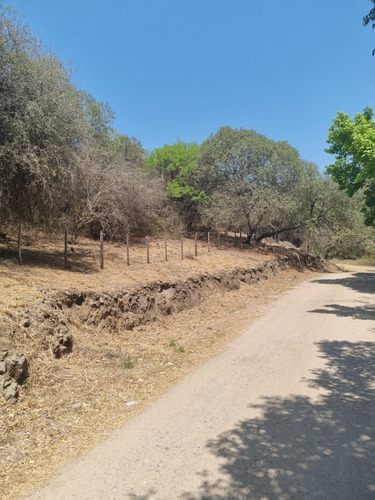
{"x": 285, "y": 411}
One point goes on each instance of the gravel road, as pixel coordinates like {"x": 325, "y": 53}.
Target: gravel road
{"x": 284, "y": 411}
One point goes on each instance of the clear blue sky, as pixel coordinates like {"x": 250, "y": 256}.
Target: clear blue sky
{"x": 180, "y": 69}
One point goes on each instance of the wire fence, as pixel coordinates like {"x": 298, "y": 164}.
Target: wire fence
{"x": 202, "y": 241}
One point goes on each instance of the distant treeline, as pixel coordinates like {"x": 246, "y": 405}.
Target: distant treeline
{"x": 62, "y": 165}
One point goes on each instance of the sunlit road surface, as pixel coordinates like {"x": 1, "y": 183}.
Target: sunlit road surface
{"x": 285, "y": 411}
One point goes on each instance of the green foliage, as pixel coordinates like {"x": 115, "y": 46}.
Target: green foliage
{"x": 240, "y": 155}
{"x": 176, "y": 163}
{"x": 332, "y": 223}
{"x": 174, "y": 343}
{"x": 262, "y": 187}
{"x": 128, "y": 362}
{"x": 353, "y": 144}
{"x": 250, "y": 180}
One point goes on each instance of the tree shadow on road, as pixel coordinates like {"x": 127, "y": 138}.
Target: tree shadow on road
{"x": 300, "y": 448}
{"x": 360, "y": 282}
{"x": 366, "y": 312}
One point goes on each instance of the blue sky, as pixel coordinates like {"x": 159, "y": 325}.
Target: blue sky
{"x": 180, "y": 69}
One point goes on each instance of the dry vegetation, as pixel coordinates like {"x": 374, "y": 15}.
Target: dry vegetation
{"x": 68, "y": 405}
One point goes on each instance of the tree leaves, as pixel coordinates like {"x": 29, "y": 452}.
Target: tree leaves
{"x": 353, "y": 144}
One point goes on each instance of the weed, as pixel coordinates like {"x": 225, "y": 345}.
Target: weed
{"x": 174, "y": 343}
{"x": 12, "y": 337}
{"x": 127, "y": 362}
{"x": 26, "y": 384}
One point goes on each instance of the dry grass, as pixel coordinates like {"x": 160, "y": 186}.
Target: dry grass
{"x": 43, "y": 263}
{"x": 356, "y": 266}
{"x": 70, "y": 404}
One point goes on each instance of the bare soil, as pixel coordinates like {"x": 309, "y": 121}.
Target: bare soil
{"x": 68, "y": 405}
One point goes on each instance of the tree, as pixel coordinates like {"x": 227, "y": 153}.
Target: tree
{"x": 42, "y": 125}
{"x": 128, "y": 149}
{"x": 61, "y": 163}
{"x": 250, "y": 180}
{"x": 331, "y": 223}
{"x": 353, "y": 144}
{"x": 114, "y": 196}
{"x": 99, "y": 115}
{"x": 177, "y": 164}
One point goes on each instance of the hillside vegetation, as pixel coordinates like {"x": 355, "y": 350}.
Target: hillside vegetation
{"x": 63, "y": 166}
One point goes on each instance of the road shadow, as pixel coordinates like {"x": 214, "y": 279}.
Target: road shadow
{"x": 366, "y": 312}
{"x": 360, "y": 282}
{"x": 304, "y": 449}
{"x": 150, "y": 495}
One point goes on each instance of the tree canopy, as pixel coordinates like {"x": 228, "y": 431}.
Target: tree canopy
{"x": 353, "y": 144}
{"x": 250, "y": 181}
{"x": 177, "y": 164}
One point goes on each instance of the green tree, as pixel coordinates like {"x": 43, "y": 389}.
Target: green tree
{"x": 177, "y": 164}
{"x": 331, "y": 222}
{"x": 250, "y": 180}
{"x": 353, "y": 144}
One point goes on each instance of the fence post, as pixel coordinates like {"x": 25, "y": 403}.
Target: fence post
{"x": 208, "y": 242}
{"x": 241, "y": 245}
{"x": 182, "y": 248}
{"x": 196, "y": 243}
{"x": 148, "y": 249}
{"x": 66, "y": 249}
{"x": 218, "y": 239}
{"x": 166, "y": 249}
{"x": 101, "y": 250}
{"x": 227, "y": 238}
{"x": 127, "y": 251}
{"x": 20, "y": 244}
